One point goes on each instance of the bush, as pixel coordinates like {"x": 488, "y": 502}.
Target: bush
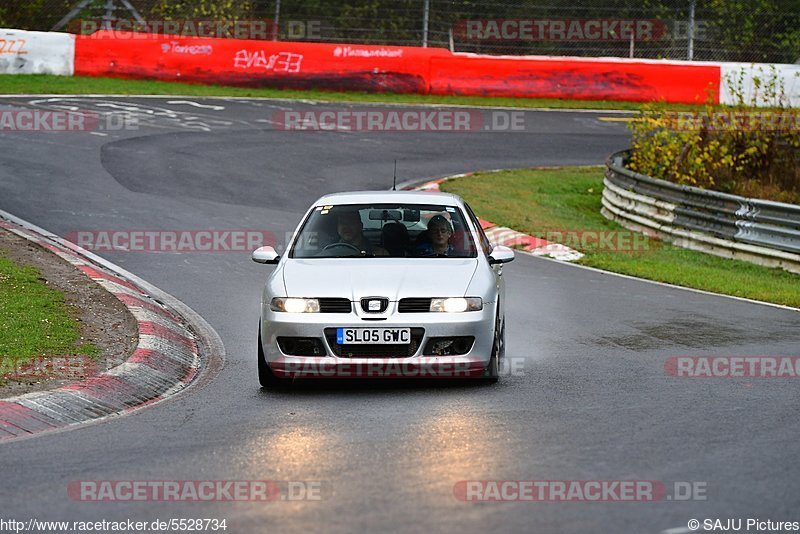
{"x": 738, "y": 149}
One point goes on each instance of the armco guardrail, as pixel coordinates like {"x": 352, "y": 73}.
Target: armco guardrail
{"x": 759, "y": 231}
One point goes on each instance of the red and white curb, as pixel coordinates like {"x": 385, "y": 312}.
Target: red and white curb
{"x": 500, "y": 235}
{"x": 165, "y": 361}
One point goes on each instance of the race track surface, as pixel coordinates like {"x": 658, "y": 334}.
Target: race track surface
{"x": 593, "y": 403}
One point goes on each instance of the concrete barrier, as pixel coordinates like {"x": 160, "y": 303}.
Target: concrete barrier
{"x": 254, "y": 63}
{"x": 574, "y": 78}
{"x": 23, "y": 52}
{"x": 751, "y": 79}
{"x": 396, "y": 69}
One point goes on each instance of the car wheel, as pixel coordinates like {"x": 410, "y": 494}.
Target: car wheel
{"x": 266, "y": 377}
{"x": 492, "y": 372}
{"x": 501, "y": 353}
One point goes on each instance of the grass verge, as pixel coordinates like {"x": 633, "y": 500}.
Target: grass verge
{"x": 48, "y": 84}
{"x": 563, "y": 205}
{"x": 34, "y": 320}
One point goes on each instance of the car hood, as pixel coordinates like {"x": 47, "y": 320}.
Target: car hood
{"x": 377, "y": 277}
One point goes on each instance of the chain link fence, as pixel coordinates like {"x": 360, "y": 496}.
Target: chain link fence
{"x": 714, "y": 30}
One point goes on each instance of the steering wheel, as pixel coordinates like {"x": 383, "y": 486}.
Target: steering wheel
{"x": 342, "y": 245}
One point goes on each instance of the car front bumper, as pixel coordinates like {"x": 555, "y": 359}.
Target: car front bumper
{"x": 478, "y": 324}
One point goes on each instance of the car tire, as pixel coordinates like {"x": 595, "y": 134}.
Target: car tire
{"x": 266, "y": 377}
{"x": 501, "y": 353}
{"x": 492, "y": 372}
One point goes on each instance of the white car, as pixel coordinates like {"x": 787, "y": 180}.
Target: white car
{"x": 383, "y": 284}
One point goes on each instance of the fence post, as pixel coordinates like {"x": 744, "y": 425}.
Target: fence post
{"x": 690, "y": 29}
{"x": 631, "y": 51}
{"x": 276, "y": 22}
{"x": 426, "y": 7}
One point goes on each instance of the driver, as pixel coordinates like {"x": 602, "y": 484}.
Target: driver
{"x": 351, "y": 232}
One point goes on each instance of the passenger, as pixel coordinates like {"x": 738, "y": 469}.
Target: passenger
{"x": 439, "y": 232}
{"x": 351, "y": 232}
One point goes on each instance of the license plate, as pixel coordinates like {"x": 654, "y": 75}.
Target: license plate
{"x": 373, "y": 336}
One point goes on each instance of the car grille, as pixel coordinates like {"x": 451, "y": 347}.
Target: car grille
{"x": 384, "y": 303}
{"x": 375, "y": 351}
{"x": 335, "y": 305}
{"x": 414, "y": 305}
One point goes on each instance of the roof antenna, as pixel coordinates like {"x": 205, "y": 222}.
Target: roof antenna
{"x": 394, "y": 179}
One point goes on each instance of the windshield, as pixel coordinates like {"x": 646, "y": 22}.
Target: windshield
{"x": 384, "y": 230}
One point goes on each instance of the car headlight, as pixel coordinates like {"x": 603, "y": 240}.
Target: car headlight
{"x": 294, "y": 305}
{"x": 456, "y": 304}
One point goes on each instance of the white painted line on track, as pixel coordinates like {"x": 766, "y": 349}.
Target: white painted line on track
{"x": 195, "y": 104}
{"x": 672, "y": 286}
{"x": 315, "y": 101}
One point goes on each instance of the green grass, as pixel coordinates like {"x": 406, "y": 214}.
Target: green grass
{"x": 546, "y": 201}
{"x": 34, "y": 319}
{"x": 48, "y": 84}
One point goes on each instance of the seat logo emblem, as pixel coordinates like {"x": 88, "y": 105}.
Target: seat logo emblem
{"x": 374, "y": 304}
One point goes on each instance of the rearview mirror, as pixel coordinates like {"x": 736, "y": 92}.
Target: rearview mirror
{"x": 501, "y": 254}
{"x": 385, "y": 215}
{"x": 265, "y": 255}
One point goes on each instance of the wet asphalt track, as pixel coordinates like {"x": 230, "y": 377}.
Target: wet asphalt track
{"x": 594, "y": 401}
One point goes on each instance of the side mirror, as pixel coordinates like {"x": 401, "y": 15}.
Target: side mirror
{"x": 501, "y": 254}
{"x": 265, "y": 255}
